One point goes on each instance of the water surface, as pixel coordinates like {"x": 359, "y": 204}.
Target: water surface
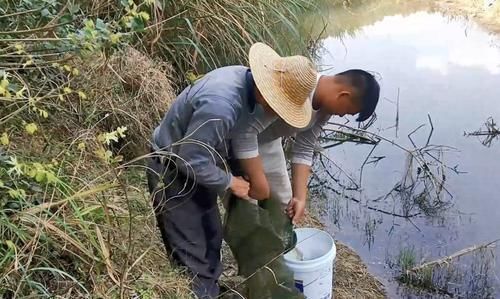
{"x": 448, "y": 69}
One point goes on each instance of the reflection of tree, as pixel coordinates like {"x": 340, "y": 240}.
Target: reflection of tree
{"x": 489, "y": 132}
{"x": 346, "y": 18}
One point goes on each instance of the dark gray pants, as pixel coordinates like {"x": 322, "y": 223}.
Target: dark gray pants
{"x": 190, "y": 225}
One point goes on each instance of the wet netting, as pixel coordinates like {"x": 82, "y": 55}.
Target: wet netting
{"x": 259, "y": 235}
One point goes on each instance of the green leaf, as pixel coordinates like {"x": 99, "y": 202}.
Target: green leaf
{"x": 121, "y": 131}
{"x": 137, "y": 24}
{"x": 67, "y": 18}
{"x": 10, "y": 244}
{"x": 17, "y": 193}
{"x": 19, "y": 48}
{"x": 43, "y": 113}
{"x": 31, "y": 128}
{"x": 40, "y": 176}
{"x": 50, "y": 177}
{"x": 16, "y": 167}
{"x": 144, "y": 15}
{"x": 73, "y": 8}
{"x": 100, "y": 25}
{"x": 4, "y": 83}
{"x": 4, "y": 139}
{"x": 82, "y": 95}
{"x": 45, "y": 12}
{"x": 89, "y": 24}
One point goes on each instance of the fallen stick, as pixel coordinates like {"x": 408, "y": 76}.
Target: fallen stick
{"x": 447, "y": 259}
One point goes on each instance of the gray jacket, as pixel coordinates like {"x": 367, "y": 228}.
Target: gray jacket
{"x": 199, "y": 124}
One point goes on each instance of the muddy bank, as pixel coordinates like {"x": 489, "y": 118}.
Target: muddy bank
{"x": 486, "y": 13}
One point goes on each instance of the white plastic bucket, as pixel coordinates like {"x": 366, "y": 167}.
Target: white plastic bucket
{"x": 312, "y": 263}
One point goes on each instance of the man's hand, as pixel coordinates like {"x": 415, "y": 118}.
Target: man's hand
{"x": 239, "y": 187}
{"x": 296, "y": 209}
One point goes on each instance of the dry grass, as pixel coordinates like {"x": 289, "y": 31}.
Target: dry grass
{"x": 149, "y": 78}
{"x": 94, "y": 232}
{"x": 131, "y": 89}
{"x": 352, "y": 279}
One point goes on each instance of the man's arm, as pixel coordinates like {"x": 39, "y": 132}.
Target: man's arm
{"x": 253, "y": 169}
{"x": 210, "y": 124}
{"x": 300, "y": 178}
{"x": 246, "y": 149}
{"x": 302, "y": 156}
{"x": 297, "y": 206}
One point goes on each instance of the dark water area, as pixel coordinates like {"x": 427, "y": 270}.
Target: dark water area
{"x": 444, "y": 68}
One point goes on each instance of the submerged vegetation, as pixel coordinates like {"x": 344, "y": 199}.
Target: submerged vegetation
{"x": 82, "y": 84}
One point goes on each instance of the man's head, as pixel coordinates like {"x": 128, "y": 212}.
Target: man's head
{"x": 350, "y": 92}
{"x": 283, "y": 84}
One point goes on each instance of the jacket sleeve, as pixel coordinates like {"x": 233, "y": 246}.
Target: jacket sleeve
{"x": 245, "y": 139}
{"x": 305, "y": 143}
{"x": 210, "y": 123}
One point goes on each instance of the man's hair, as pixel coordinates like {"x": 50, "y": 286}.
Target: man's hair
{"x": 367, "y": 87}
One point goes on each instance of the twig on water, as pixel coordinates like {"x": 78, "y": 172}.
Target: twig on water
{"x": 413, "y": 132}
{"x": 364, "y": 163}
{"x": 343, "y": 171}
{"x": 416, "y": 153}
{"x": 447, "y": 259}
{"x": 423, "y": 190}
{"x": 397, "y": 114}
{"x": 325, "y": 185}
{"x": 432, "y": 130}
{"x": 491, "y": 132}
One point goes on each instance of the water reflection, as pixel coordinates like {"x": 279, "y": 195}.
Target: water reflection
{"x": 450, "y": 49}
{"x": 449, "y": 69}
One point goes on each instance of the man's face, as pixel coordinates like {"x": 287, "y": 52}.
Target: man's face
{"x": 260, "y": 99}
{"x": 341, "y": 100}
{"x": 269, "y": 111}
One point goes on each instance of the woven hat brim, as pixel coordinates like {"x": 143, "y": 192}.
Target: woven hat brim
{"x": 261, "y": 58}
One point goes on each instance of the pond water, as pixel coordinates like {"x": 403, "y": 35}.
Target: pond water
{"x": 437, "y": 66}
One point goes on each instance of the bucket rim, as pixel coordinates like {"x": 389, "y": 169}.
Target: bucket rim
{"x": 329, "y": 254}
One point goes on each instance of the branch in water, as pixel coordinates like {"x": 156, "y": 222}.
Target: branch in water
{"x": 491, "y": 132}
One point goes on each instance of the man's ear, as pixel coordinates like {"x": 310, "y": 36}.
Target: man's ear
{"x": 344, "y": 95}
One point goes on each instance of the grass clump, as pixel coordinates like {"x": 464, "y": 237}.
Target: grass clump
{"x": 130, "y": 90}
{"x": 213, "y": 33}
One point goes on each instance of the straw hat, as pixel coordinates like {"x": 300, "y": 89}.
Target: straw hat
{"x": 285, "y": 83}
